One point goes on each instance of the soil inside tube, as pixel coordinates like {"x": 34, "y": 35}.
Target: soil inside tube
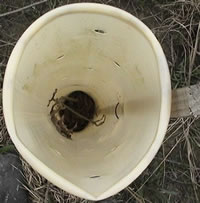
{"x": 83, "y": 104}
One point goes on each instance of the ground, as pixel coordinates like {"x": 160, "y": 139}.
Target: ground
{"x": 174, "y": 174}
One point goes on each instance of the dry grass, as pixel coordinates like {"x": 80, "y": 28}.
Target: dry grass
{"x": 42, "y": 191}
{"x": 174, "y": 174}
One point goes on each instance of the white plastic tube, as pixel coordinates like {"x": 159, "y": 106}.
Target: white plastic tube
{"x": 115, "y": 58}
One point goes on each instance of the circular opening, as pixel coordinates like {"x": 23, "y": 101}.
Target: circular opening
{"x": 82, "y": 104}
{"x": 72, "y": 113}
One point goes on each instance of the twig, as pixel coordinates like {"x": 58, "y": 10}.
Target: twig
{"x": 193, "y": 54}
{"x": 36, "y": 196}
{"x": 85, "y": 118}
{"x": 65, "y": 98}
{"x": 135, "y": 195}
{"x": 116, "y": 110}
{"x": 46, "y": 193}
{"x": 23, "y": 8}
{"x": 52, "y": 98}
{"x": 178, "y": 141}
{"x": 102, "y": 119}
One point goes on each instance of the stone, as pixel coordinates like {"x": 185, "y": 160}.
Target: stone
{"x": 11, "y": 179}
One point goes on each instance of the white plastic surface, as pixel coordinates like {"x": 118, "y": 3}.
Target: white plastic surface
{"x": 119, "y": 62}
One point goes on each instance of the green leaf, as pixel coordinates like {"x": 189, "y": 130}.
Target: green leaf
{"x": 7, "y": 148}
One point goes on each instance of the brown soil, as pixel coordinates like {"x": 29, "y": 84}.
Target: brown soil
{"x": 84, "y": 105}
